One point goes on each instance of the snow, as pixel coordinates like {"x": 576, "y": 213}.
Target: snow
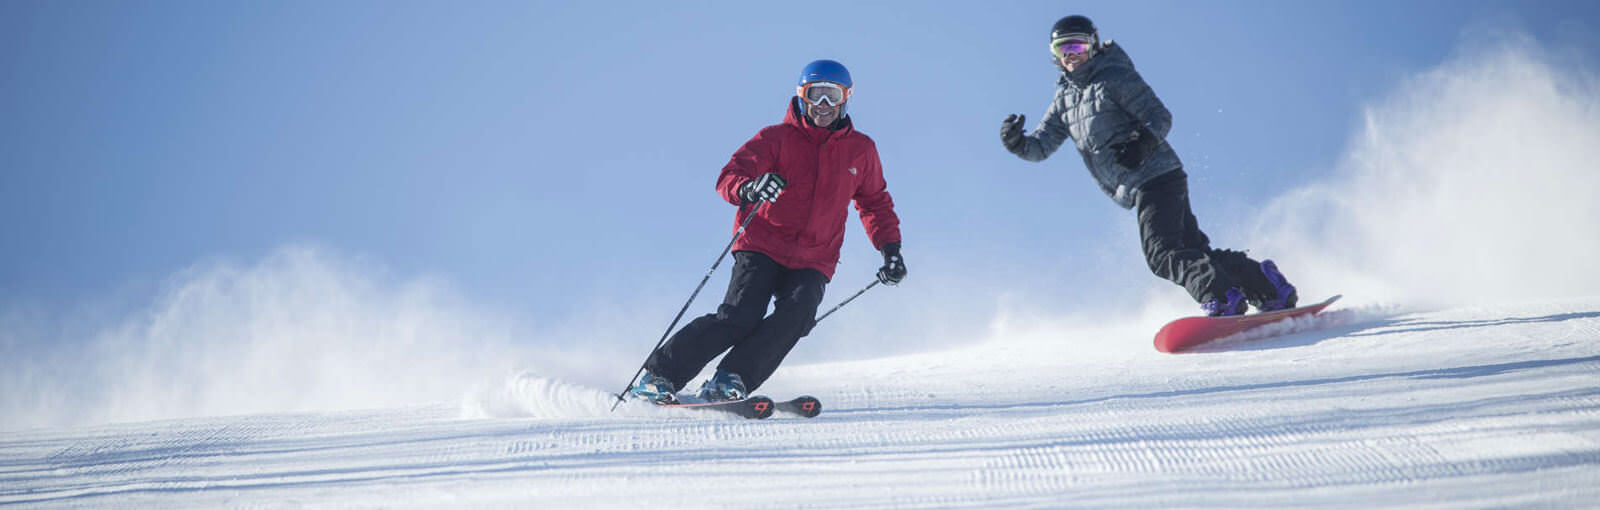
{"x": 1460, "y": 369}
{"x": 1466, "y": 407}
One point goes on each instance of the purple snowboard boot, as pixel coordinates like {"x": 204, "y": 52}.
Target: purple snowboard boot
{"x": 1286, "y": 295}
{"x": 1232, "y": 304}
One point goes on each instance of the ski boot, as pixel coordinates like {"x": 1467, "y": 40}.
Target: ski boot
{"x": 1231, "y": 304}
{"x": 723, "y": 386}
{"x": 1286, "y": 295}
{"x": 655, "y": 389}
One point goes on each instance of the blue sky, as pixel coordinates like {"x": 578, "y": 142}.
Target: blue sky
{"x": 547, "y": 158}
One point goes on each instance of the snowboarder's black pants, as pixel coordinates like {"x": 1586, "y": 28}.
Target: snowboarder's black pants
{"x": 759, "y": 341}
{"x": 1176, "y": 249}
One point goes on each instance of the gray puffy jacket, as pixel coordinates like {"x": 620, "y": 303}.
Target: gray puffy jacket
{"x": 1099, "y": 106}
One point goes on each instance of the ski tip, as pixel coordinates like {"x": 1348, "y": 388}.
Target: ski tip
{"x": 804, "y": 405}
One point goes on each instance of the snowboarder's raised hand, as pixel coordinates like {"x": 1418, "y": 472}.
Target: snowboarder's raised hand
{"x": 762, "y": 189}
{"x": 1011, "y": 134}
{"x": 894, "y": 266}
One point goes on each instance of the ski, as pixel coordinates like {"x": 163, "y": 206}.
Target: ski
{"x": 756, "y": 407}
{"x": 805, "y": 405}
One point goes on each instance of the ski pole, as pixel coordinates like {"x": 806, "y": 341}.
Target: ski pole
{"x": 685, "y": 308}
{"x": 845, "y": 302}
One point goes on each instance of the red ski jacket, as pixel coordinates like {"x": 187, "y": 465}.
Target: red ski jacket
{"x": 825, "y": 170}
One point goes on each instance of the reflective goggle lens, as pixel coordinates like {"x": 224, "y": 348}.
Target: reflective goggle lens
{"x": 1071, "y": 46}
{"x": 816, "y": 93}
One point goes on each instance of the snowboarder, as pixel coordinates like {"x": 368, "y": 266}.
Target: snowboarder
{"x": 1120, "y": 129}
{"x": 798, "y": 177}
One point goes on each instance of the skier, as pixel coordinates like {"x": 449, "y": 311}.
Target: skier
{"x": 798, "y": 177}
{"x": 1120, "y": 129}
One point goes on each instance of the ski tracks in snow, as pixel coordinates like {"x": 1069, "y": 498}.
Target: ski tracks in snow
{"x": 1443, "y": 410}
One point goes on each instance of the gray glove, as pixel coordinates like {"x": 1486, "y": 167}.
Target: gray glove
{"x": 1131, "y": 154}
{"x": 1011, "y": 134}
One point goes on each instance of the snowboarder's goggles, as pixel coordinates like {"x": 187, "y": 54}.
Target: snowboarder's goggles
{"x": 1063, "y": 47}
{"x": 819, "y": 91}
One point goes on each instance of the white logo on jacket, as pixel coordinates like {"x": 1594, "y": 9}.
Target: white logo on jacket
{"x": 852, "y": 170}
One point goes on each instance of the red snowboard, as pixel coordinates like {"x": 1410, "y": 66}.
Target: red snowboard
{"x": 1192, "y": 331}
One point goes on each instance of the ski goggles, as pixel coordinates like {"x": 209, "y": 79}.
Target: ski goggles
{"x": 818, "y": 92}
{"x": 1063, "y": 47}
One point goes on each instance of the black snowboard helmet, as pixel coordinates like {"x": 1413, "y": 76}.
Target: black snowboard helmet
{"x": 1075, "y": 26}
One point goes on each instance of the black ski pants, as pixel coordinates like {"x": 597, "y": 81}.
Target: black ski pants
{"x": 1176, "y": 249}
{"x": 758, "y": 341}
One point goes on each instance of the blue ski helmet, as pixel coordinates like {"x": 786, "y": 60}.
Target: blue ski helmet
{"x": 829, "y": 71}
{"x": 825, "y": 70}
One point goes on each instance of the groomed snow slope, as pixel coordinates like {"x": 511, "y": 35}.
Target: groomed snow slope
{"x": 1465, "y": 196}
{"x": 1471, "y": 407}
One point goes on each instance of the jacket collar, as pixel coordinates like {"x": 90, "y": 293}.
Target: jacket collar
{"x": 1110, "y": 56}
{"x": 796, "y": 119}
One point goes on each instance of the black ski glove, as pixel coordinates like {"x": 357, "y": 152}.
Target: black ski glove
{"x": 1011, "y": 134}
{"x": 894, "y": 266}
{"x": 762, "y": 189}
{"x": 1131, "y": 154}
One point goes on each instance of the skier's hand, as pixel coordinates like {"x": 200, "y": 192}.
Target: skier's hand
{"x": 765, "y": 188}
{"x": 1011, "y": 134}
{"x": 1131, "y": 154}
{"x": 894, "y": 266}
